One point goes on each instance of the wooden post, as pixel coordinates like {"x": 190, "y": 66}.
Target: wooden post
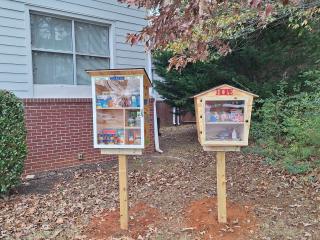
{"x": 221, "y": 187}
{"x": 123, "y": 191}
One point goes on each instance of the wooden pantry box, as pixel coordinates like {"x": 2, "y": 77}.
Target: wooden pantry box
{"x": 120, "y": 102}
{"x": 223, "y": 117}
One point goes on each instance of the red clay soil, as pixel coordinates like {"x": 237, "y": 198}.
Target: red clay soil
{"x": 107, "y": 225}
{"x": 202, "y": 216}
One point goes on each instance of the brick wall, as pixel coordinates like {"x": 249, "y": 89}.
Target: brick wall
{"x": 150, "y": 148}
{"x": 59, "y": 129}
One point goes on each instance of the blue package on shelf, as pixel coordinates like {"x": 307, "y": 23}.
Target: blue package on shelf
{"x": 105, "y": 103}
{"x": 137, "y": 100}
{"x": 213, "y": 118}
{"x": 99, "y": 103}
{"x": 133, "y": 101}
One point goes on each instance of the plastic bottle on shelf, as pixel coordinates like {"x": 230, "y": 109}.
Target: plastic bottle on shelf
{"x": 133, "y": 101}
{"x": 234, "y": 134}
{"x": 138, "y": 121}
{"x": 131, "y": 121}
{"x": 131, "y": 138}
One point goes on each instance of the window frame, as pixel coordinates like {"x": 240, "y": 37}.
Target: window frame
{"x": 106, "y": 24}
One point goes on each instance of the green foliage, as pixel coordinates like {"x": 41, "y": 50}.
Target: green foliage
{"x": 13, "y": 147}
{"x": 287, "y": 126}
{"x": 257, "y": 64}
{"x": 271, "y": 55}
{"x": 178, "y": 87}
{"x": 189, "y": 29}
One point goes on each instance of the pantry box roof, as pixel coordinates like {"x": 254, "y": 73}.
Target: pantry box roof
{"x": 223, "y": 86}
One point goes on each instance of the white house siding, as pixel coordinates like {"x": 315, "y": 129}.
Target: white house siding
{"x": 13, "y": 52}
{"x": 15, "y": 49}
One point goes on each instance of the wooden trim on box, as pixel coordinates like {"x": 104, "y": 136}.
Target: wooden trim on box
{"x": 120, "y": 71}
{"x": 222, "y": 148}
{"x": 126, "y": 151}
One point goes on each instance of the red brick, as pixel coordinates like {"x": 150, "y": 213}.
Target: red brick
{"x": 58, "y": 129}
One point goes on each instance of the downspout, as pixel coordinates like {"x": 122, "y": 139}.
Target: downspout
{"x": 155, "y": 122}
{"x": 178, "y": 116}
{"x": 174, "y": 116}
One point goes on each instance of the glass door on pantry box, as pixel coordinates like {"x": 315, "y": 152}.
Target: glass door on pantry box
{"x": 118, "y": 111}
{"x": 224, "y": 121}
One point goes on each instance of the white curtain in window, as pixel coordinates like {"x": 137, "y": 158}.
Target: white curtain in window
{"x": 89, "y": 63}
{"x": 52, "y": 68}
{"x": 91, "y": 39}
{"x": 51, "y": 33}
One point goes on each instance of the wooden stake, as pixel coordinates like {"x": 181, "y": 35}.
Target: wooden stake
{"x": 123, "y": 191}
{"x": 221, "y": 187}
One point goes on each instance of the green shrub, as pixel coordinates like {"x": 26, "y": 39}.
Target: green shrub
{"x": 13, "y": 147}
{"x": 287, "y": 126}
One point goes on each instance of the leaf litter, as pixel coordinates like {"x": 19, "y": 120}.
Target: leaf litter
{"x": 171, "y": 189}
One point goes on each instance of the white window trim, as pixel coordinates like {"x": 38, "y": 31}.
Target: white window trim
{"x": 61, "y": 90}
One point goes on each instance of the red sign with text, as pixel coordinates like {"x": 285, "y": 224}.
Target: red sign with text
{"x": 224, "y": 91}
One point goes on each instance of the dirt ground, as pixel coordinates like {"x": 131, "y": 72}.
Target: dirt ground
{"x": 171, "y": 196}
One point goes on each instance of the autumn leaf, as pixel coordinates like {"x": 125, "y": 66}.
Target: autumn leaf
{"x": 194, "y": 24}
{"x": 268, "y": 10}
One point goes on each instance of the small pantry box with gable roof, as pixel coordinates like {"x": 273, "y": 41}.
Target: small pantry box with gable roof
{"x": 223, "y": 117}
{"x": 120, "y": 101}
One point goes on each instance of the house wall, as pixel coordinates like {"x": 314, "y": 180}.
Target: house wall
{"x": 59, "y": 117}
{"x": 60, "y": 129}
{"x": 15, "y": 44}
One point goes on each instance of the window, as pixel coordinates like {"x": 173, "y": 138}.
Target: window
{"x": 62, "y": 49}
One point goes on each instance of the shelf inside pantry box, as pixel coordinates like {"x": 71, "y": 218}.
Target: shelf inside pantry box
{"x": 127, "y": 127}
{"x": 120, "y": 94}
{"x": 133, "y": 118}
{"x": 224, "y": 132}
{"x": 133, "y": 136}
{"x": 110, "y": 119}
{"x": 119, "y": 108}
